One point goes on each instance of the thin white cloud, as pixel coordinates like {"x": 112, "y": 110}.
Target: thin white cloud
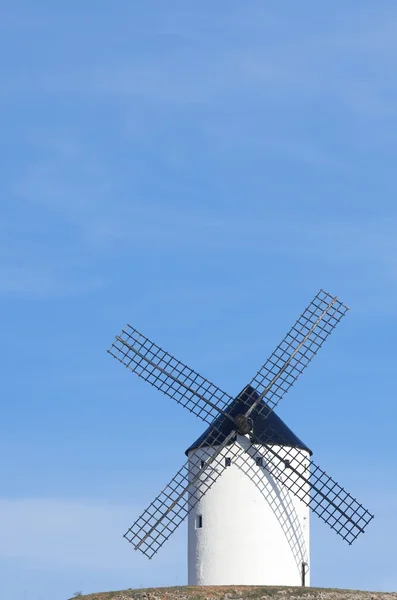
{"x": 304, "y": 61}
{"x": 75, "y": 190}
{"x": 42, "y": 282}
{"x": 90, "y": 205}
{"x": 70, "y": 534}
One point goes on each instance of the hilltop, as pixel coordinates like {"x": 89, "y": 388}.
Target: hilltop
{"x": 238, "y": 592}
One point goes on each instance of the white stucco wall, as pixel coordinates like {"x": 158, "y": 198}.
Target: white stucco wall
{"x": 254, "y": 531}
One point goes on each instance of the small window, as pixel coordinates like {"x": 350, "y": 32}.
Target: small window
{"x": 259, "y": 461}
{"x": 287, "y": 464}
{"x": 228, "y": 461}
{"x": 199, "y": 521}
{"x": 202, "y": 464}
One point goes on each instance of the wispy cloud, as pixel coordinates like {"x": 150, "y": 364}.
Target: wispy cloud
{"x": 244, "y": 136}
{"x": 69, "y": 186}
{"x": 50, "y": 205}
{"x": 64, "y": 534}
{"x": 41, "y": 282}
{"x": 258, "y": 62}
{"x": 90, "y": 206}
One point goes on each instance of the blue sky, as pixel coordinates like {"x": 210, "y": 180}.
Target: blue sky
{"x": 198, "y": 170}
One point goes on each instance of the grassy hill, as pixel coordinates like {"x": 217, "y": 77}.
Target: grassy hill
{"x": 238, "y": 592}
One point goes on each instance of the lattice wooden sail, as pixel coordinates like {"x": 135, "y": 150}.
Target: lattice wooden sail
{"x": 324, "y": 495}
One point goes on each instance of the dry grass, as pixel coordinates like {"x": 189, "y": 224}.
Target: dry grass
{"x": 239, "y": 592}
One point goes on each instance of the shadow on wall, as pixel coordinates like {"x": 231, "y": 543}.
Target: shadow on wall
{"x": 281, "y": 503}
{"x": 244, "y": 456}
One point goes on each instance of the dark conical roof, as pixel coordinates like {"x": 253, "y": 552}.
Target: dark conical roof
{"x": 281, "y": 435}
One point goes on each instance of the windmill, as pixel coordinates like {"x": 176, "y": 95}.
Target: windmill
{"x": 249, "y": 482}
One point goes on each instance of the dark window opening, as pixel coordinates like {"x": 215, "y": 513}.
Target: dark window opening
{"x": 202, "y": 463}
{"x": 259, "y": 461}
{"x": 228, "y": 461}
{"x": 287, "y": 464}
{"x": 199, "y": 521}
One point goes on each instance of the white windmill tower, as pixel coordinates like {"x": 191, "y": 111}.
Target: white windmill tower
{"x": 249, "y": 481}
{"x": 249, "y": 529}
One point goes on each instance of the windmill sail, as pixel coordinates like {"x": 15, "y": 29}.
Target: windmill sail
{"x": 169, "y": 375}
{"x": 298, "y": 348}
{"x": 167, "y": 511}
{"x": 251, "y": 412}
{"x": 326, "y": 498}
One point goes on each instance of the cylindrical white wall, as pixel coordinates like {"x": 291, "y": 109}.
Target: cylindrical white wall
{"x": 254, "y": 531}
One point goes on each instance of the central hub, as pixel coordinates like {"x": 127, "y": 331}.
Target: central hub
{"x": 243, "y": 424}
